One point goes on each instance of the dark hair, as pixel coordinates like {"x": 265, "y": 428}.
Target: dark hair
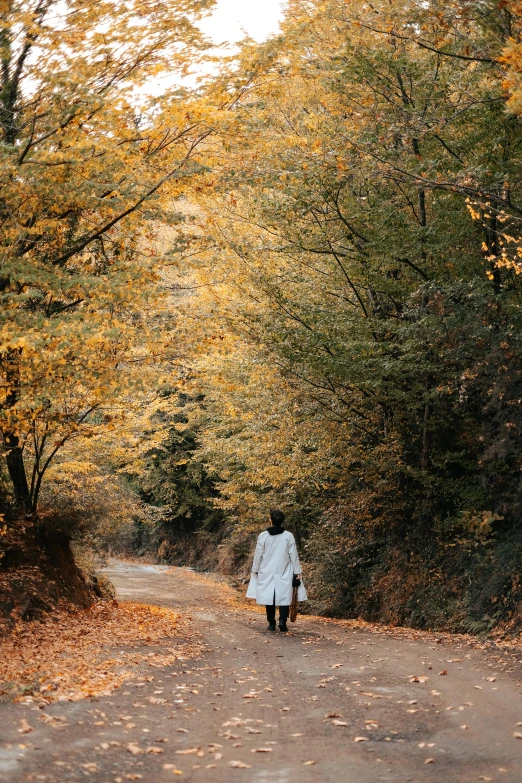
{"x": 277, "y": 517}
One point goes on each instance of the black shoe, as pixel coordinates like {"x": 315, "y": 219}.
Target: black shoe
{"x": 282, "y": 627}
{"x": 271, "y": 627}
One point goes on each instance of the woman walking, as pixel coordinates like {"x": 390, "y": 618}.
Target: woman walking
{"x": 275, "y": 570}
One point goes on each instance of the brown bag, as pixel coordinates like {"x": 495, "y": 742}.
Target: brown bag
{"x": 293, "y": 606}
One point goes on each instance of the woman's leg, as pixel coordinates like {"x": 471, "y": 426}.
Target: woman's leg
{"x": 270, "y": 615}
{"x": 284, "y": 611}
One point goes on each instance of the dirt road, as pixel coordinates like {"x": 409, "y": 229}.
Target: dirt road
{"x": 322, "y": 703}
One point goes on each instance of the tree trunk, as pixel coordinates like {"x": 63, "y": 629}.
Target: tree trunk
{"x": 16, "y": 468}
{"x": 10, "y": 363}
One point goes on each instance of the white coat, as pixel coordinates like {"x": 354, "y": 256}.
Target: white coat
{"x": 275, "y": 563}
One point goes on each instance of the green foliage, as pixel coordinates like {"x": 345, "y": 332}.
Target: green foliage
{"x": 175, "y": 487}
{"x": 363, "y": 269}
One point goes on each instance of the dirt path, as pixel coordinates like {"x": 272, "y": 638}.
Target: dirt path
{"x": 252, "y": 690}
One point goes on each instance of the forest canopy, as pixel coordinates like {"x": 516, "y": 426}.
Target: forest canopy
{"x": 323, "y": 307}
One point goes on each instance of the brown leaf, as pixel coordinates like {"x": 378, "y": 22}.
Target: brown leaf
{"x": 54, "y": 720}
{"x": 239, "y": 765}
{"x": 90, "y": 766}
{"x": 360, "y": 739}
{"x": 336, "y": 722}
{"x": 25, "y": 728}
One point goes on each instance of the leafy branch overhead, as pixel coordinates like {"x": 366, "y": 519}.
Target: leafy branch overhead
{"x": 89, "y": 160}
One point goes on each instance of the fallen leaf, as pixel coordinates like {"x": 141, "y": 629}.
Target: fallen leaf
{"x": 261, "y": 750}
{"x": 360, "y": 739}
{"x": 239, "y": 765}
{"x": 134, "y": 749}
{"x": 465, "y": 726}
{"x": 444, "y": 671}
{"x": 173, "y": 768}
{"x": 25, "y": 728}
{"x": 429, "y": 761}
{"x": 54, "y": 720}
{"x": 333, "y": 715}
{"x": 188, "y": 752}
{"x": 517, "y": 734}
{"x": 154, "y": 749}
{"x": 336, "y": 722}
{"x": 308, "y": 763}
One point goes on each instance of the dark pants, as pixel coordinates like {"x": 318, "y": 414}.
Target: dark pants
{"x": 284, "y": 611}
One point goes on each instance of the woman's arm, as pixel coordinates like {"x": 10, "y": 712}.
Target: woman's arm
{"x": 258, "y": 554}
{"x": 294, "y": 557}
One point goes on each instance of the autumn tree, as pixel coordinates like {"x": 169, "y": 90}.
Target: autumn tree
{"x": 363, "y": 252}
{"x": 89, "y": 160}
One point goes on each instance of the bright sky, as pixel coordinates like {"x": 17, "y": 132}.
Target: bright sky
{"x": 233, "y": 18}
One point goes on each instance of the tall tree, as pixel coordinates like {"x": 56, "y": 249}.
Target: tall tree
{"x": 87, "y": 158}
{"x": 365, "y": 230}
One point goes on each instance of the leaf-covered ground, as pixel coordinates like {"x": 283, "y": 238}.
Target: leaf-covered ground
{"x": 74, "y": 655}
{"x": 329, "y": 701}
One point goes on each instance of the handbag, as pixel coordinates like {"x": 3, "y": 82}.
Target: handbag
{"x": 293, "y": 606}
